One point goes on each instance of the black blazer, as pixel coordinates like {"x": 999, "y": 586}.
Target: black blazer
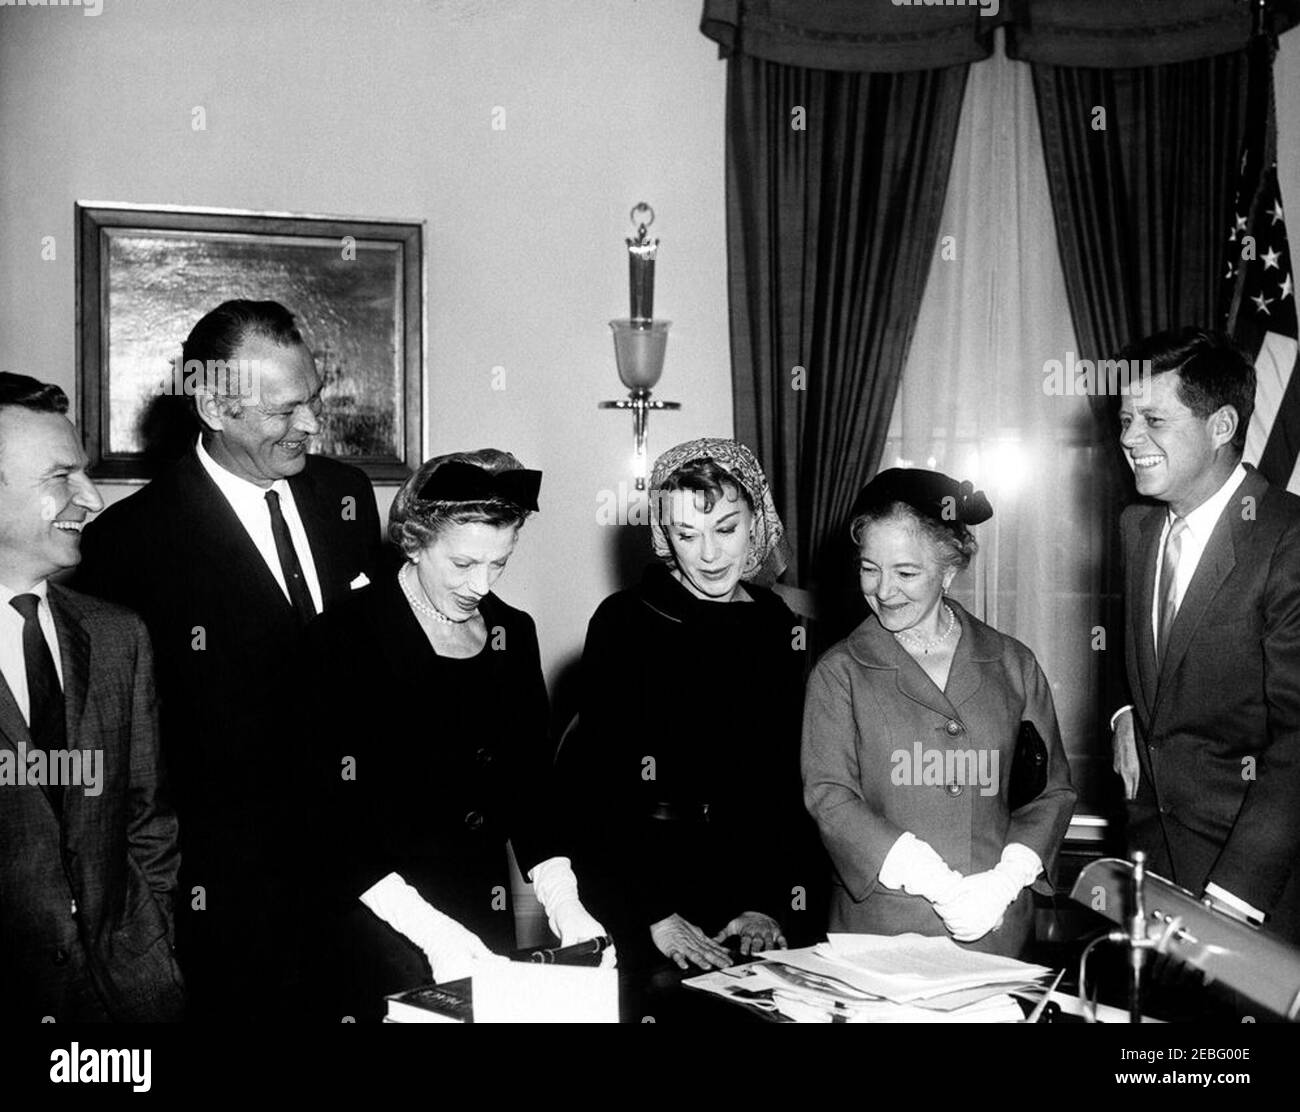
{"x": 114, "y": 854}
{"x": 450, "y": 756}
{"x": 1218, "y": 726}
{"x": 422, "y": 766}
{"x": 227, "y": 642}
{"x": 222, "y": 629}
{"x": 687, "y": 702}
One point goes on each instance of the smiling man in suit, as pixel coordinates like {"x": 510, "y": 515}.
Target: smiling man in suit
{"x": 89, "y": 858}
{"x": 227, "y": 556}
{"x": 1209, "y": 750}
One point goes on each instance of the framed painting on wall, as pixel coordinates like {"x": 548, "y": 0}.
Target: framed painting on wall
{"x": 146, "y": 275}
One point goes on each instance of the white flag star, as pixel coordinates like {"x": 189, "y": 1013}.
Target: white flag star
{"x": 1286, "y": 287}
{"x": 1270, "y": 258}
{"x": 1262, "y": 303}
{"x": 1276, "y": 210}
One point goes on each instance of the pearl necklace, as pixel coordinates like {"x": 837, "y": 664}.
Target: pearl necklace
{"x": 926, "y": 646}
{"x": 419, "y": 605}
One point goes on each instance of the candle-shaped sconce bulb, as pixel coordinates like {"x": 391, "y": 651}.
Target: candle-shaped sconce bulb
{"x": 641, "y": 266}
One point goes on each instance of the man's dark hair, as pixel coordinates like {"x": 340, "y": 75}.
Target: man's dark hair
{"x": 28, "y": 393}
{"x": 219, "y": 333}
{"x": 1213, "y": 371}
{"x": 24, "y": 392}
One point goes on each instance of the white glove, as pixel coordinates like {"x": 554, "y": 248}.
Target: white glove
{"x": 557, "y": 891}
{"x": 451, "y": 949}
{"x": 916, "y": 868}
{"x": 980, "y": 900}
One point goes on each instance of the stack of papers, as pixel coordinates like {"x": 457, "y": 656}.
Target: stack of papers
{"x": 864, "y": 978}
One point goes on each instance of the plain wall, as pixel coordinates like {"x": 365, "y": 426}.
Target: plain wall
{"x": 385, "y": 108}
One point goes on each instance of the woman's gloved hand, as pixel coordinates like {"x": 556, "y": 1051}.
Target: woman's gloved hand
{"x": 557, "y": 891}
{"x": 757, "y": 932}
{"x": 916, "y": 868}
{"x": 450, "y": 948}
{"x": 980, "y": 900}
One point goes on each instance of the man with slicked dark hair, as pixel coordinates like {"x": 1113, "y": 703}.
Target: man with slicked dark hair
{"x": 227, "y": 555}
{"x": 1209, "y": 749}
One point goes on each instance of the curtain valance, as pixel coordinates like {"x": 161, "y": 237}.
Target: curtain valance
{"x": 895, "y": 37}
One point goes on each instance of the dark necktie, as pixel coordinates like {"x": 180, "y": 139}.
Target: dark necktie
{"x": 48, "y": 723}
{"x": 299, "y": 594}
{"x": 1169, "y": 585}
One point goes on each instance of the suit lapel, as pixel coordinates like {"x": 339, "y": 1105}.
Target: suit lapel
{"x": 14, "y": 731}
{"x": 1216, "y": 564}
{"x": 916, "y": 685}
{"x": 13, "y": 727}
{"x": 964, "y": 677}
{"x": 1142, "y": 588}
{"x": 74, "y": 649}
{"x": 876, "y": 647}
{"x": 74, "y": 656}
{"x": 214, "y": 531}
{"x": 317, "y": 523}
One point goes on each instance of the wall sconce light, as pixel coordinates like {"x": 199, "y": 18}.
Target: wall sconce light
{"x": 640, "y": 341}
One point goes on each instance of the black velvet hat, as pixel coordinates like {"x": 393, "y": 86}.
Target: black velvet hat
{"x": 931, "y": 493}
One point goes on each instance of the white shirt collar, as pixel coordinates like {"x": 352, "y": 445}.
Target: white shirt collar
{"x": 238, "y": 490}
{"x": 1200, "y": 521}
{"x": 7, "y": 594}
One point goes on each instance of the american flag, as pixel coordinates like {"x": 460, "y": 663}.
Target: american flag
{"x": 1259, "y": 290}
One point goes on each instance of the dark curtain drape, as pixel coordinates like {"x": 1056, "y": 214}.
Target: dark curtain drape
{"x": 835, "y": 187}
{"x": 1142, "y": 170}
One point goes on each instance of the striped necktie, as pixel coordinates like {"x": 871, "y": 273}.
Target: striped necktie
{"x": 1169, "y": 584}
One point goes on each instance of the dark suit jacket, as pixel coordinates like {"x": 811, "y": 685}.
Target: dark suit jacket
{"x": 687, "y": 702}
{"x": 1218, "y": 726}
{"x": 227, "y": 642}
{"x": 450, "y": 759}
{"x": 869, "y": 706}
{"x": 114, "y": 854}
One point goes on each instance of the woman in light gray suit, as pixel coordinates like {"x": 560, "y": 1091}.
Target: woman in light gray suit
{"x": 911, "y": 729}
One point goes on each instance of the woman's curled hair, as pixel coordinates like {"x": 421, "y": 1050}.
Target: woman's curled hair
{"x": 414, "y": 523}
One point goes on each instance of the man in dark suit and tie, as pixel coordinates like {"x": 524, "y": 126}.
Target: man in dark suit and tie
{"x": 1209, "y": 750}
{"x": 227, "y": 556}
{"x": 89, "y": 858}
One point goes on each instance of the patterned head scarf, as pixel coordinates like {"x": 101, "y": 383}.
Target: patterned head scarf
{"x": 766, "y": 556}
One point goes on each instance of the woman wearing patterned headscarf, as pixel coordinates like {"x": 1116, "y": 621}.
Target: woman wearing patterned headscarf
{"x": 932, "y": 761}
{"x": 683, "y": 768}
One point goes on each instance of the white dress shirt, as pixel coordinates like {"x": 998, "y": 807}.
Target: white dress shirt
{"x": 1200, "y": 524}
{"x": 248, "y": 500}
{"x": 12, "y": 662}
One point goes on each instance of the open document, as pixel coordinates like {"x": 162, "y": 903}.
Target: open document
{"x": 880, "y": 979}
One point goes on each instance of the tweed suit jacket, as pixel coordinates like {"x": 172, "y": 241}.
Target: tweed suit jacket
{"x": 99, "y": 870}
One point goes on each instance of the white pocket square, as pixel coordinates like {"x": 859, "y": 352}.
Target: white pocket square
{"x": 360, "y": 581}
